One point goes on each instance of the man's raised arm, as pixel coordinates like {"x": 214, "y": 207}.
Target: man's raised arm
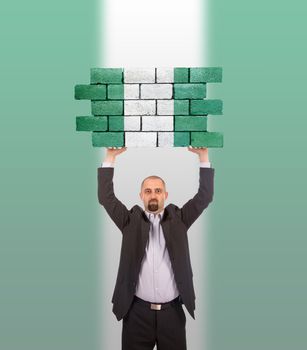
{"x": 114, "y": 207}
{"x": 195, "y": 206}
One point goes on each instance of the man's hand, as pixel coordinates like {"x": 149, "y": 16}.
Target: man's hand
{"x": 202, "y": 153}
{"x": 112, "y": 152}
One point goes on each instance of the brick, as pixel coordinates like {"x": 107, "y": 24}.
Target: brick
{"x": 107, "y": 107}
{"x": 157, "y": 123}
{"x": 139, "y": 75}
{"x": 190, "y": 123}
{"x": 203, "y": 107}
{"x": 165, "y": 139}
{"x": 206, "y": 139}
{"x": 189, "y": 91}
{"x": 132, "y": 123}
{"x": 206, "y": 75}
{"x": 107, "y": 139}
{"x": 91, "y": 123}
{"x": 181, "y": 75}
{"x": 181, "y": 107}
{"x": 90, "y": 92}
{"x": 132, "y": 91}
{"x": 181, "y": 139}
{"x": 156, "y": 91}
{"x": 140, "y": 107}
{"x": 165, "y": 75}
{"x": 106, "y": 75}
{"x": 116, "y": 92}
{"x": 150, "y": 107}
{"x": 140, "y": 139}
{"x": 165, "y": 107}
{"x": 120, "y": 123}
{"x": 116, "y": 123}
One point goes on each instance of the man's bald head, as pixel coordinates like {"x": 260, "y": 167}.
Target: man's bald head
{"x": 153, "y": 177}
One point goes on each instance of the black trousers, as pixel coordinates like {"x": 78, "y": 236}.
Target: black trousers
{"x": 144, "y": 328}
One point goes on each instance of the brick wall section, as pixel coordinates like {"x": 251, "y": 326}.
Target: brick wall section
{"x": 150, "y": 107}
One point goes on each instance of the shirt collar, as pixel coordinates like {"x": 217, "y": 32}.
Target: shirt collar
{"x": 160, "y": 214}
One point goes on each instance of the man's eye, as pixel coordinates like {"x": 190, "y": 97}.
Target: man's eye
{"x": 158, "y": 191}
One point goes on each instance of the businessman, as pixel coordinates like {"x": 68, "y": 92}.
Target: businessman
{"x": 155, "y": 275}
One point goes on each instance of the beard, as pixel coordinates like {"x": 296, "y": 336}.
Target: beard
{"x": 153, "y": 205}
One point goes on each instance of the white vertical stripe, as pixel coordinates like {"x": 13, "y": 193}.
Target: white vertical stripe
{"x": 153, "y": 33}
{"x": 157, "y": 33}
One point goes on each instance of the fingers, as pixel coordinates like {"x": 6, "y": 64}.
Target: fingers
{"x": 196, "y": 149}
{"x": 193, "y": 147}
{"x": 116, "y": 148}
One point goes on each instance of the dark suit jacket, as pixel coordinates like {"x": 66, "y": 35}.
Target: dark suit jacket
{"x": 134, "y": 226}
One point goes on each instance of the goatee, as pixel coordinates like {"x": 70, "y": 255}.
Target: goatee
{"x": 153, "y": 206}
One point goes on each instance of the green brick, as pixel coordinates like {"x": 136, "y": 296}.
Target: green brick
{"x": 116, "y": 92}
{"x": 189, "y": 91}
{"x": 107, "y": 107}
{"x": 181, "y": 139}
{"x": 204, "y": 107}
{"x": 91, "y": 123}
{"x": 206, "y": 75}
{"x": 190, "y": 123}
{"x": 116, "y": 123}
{"x": 107, "y": 139}
{"x": 90, "y": 92}
{"x": 181, "y": 107}
{"x": 206, "y": 139}
{"x": 106, "y": 75}
{"x": 181, "y": 75}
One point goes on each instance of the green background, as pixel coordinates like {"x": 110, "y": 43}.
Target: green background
{"x": 49, "y": 259}
{"x": 48, "y": 251}
{"x": 257, "y": 236}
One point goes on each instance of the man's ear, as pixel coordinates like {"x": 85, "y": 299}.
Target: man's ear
{"x": 141, "y": 195}
{"x": 166, "y": 195}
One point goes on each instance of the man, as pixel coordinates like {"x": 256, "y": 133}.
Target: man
{"x": 155, "y": 275}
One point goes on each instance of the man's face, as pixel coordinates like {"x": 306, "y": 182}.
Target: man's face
{"x": 153, "y": 195}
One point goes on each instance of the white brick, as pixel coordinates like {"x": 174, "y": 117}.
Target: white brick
{"x": 139, "y": 75}
{"x": 140, "y": 139}
{"x": 156, "y": 123}
{"x": 131, "y": 91}
{"x": 165, "y": 107}
{"x": 165, "y": 75}
{"x": 155, "y": 91}
{"x": 165, "y": 139}
{"x": 140, "y": 107}
{"x": 132, "y": 123}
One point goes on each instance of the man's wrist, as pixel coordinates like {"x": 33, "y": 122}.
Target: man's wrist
{"x": 204, "y": 159}
{"x": 109, "y": 160}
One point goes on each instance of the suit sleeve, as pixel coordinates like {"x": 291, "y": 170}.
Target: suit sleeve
{"x": 106, "y": 197}
{"x": 192, "y": 209}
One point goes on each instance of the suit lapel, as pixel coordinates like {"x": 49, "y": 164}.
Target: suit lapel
{"x": 145, "y": 226}
{"x": 165, "y": 223}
